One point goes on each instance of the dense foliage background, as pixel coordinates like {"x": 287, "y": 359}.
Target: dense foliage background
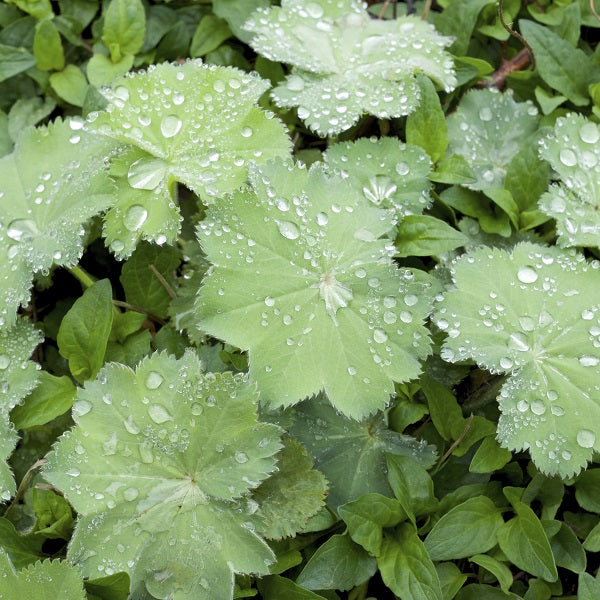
{"x": 175, "y": 285}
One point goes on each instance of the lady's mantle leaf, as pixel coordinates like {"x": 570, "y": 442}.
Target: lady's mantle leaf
{"x": 159, "y": 467}
{"x": 488, "y": 129}
{"x": 50, "y": 186}
{"x": 47, "y": 579}
{"x": 533, "y": 313}
{"x": 292, "y": 495}
{"x": 351, "y": 454}
{"x": 346, "y": 63}
{"x": 387, "y": 172}
{"x": 302, "y": 280}
{"x": 18, "y": 376}
{"x": 574, "y": 153}
{"x": 191, "y": 123}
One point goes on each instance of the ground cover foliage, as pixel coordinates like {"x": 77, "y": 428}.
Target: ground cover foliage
{"x": 299, "y": 300}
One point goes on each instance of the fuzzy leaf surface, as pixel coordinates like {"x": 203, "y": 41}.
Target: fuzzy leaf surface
{"x": 487, "y": 130}
{"x": 41, "y": 580}
{"x": 532, "y": 313}
{"x": 166, "y": 454}
{"x": 573, "y": 151}
{"x": 50, "y": 185}
{"x": 387, "y": 172}
{"x": 302, "y": 280}
{"x": 353, "y": 455}
{"x": 345, "y": 63}
{"x": 291, "y": 496}
{"x": 192, "y": 123}
{"x": 18, "y": 376}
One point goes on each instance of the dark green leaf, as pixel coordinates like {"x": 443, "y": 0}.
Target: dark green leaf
{"x": 421, "y": 235}
{"x": 209, "y": 35}
{"x": 566, "y": 548}
{"x": 405, "y": 566}
{"x": 276, "y": 587}
{"x": 53, "y": 514}
{"x": 469, "y": 528}
{"x": 111, "y": 587}
{"x": 124, "y": 27}
{"x": 489, "y": 457}
{"x": 21, "y": 550}
{"x": 14, "y": 60}
{"x": 586, "y": 490}
{"x": 339, "y": 564}
{"x": 84, "y": 331}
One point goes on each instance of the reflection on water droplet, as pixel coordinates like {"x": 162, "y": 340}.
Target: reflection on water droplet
{"x": 379, "y": 335}
{"x": 538, "y": 407}
{"x": 81, "y": 407}
{"x": 402, "y": 168}
{"x": 506, "y": 363}
{"x": 135, "y": 217}
{"x": 153, "y": 380}
{"x": 146, "y": 173}
{"x": 527, "y": 274}
{"x": 589, "y": 361}
{"x": 314, "y": 10}
{"x": 246, "y": 132}
{"x": 288, "y": 230}
{"x": 568, "y": 157}
{"x": 131, "y": 426}
{"x": 518, "y": 341}
{"x": 589, "y": 133}
{"x": 159, "y": 414}
{"x": 322, "y": 219}
{"x": 170, "y": 126}
{"x": 22, "y": 230}
{"x": 586, "y": 438}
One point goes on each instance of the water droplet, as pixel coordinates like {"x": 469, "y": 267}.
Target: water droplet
{"x": 131, "y": 426}
{"x": 589, "y": 361}
{"x": 22, "y": 230}
{"x": 153, "y": 380}
{"x": 135, "y": 217}
{"x": 389, "y": 301}
{"x": 402, "y": 168}
{"x": 147, "y": 173}
{"x": 485, "y": 114}
{"x": 379, "y": 335}
{"x": 4, "y": 362}
{"x": 557, "y": 411}
{"x": 527, "y": 275}
{"x": 568, "y": 157}
{"x": 196, "y": 409}
{"x": 218, "y": 86}
{"x": 81, "y": 407}
{"x": 288, "y": 230}
{"x": 588, "y": 133}
{"x": 246, "y": 132}
{"x": 314, "y": 10}
{"x": 352, "y": 370}
{"x": 170, "y": 126}
{"x": 506, "y": 363}
{"x": 586, "y": 438}
{"x": 159, "y": 414}
{"x": 269, "y": 301}
{"x": 322, "y": 219}
{"x": 241, "y": 457}
{"x": 389, "y": 317}
{"x": 145, "y": 449}
{"x": 518, "y": 341}
{"x": 538, "y": 407}
{"x": 410, "y": 299}
{"x": 73, "y": 472}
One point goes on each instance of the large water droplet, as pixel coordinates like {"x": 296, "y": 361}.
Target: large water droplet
{"x": 146, "y": 454}
{"x": 485, "y": 114}
{"x": 130, "y": 494}
{"x": 146, "y": 173}
{"x": 288, "y": 230}
{"x": 314, "y": 10}
{"x": 81, "y": 407}
{"x": 135, "y": 217}
{"x": 322, "y": 219}
{"x": 589, "y": 361}
{"x": 4, "y": 362}
{"x": 588, "y": 132}
{"x": 170, "y": 126}
{"x": 153, "y": 380}
{"x": 159, "y": 414}
{"x": 241, "y": 457}
{"x": 131, "y": 426}
{"x": 246, "y": 132}
{"x": 518, "y": 341}
{"x": 586, "y": 438}
{"x": 567, "y": 157}
{"x": 527, "y": 274}
{"x": 379, "y": 335}
{"x": 22, "y": 230}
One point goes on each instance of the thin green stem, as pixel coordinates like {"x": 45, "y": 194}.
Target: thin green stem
{"x": 86, "y": 280}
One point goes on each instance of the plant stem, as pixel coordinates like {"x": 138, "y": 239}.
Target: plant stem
{"x": 86, "y": 280}
{"x": 486, "y": 397}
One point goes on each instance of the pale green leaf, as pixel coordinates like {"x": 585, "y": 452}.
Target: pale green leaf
{"x": 467, "y": 529}
{"x": 159, "y": 467}
{"x": 312, "y": 291}
{"x": 41, "y": 580}
{"x": 84, "y": 331}
{"x": 487, "y": 129}
{"x": 406, "y": 567}
{"x": 18, "y": 376}
{"x": 338, "y": 564}
{"x": 190, "y": 123}
{"x": 498, "y": 569}
{"x": 50, "y": 186}
{"x": 573, "y": 151}
{"x": 236, "y": 13}
{"x": 47, "y": 47}
{"x": 346, "y": 63}
{"x": 290, "y": 497}
{"x": 102, "y": 71}
{"x": 532, "y": 313}
{"x": 588, "y": 587}
{"x": 70, "y": 84}
{"x": 209, "y": 35}
{"x": 353, "y": 455}
{"x": 387, "y": 172}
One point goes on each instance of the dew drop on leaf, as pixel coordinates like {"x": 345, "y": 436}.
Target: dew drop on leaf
{"x": 527, "y": 274}
{"x": 379, "y": 335}
{"x": 402, "y": 168}
{"x": 241, "y": 457}
{"x": 146, "y": 173}
{"x": 586, "y": 438}
{"x": 153, "y": 380}
{"x": 246, "y": 132}
{"x": 588, "y": 133}
{"x": 135, "y": 217}
{"x": 159, "y": 414}
{"x": 130, "y": 494}
{"x": 146, "y": 454}
{"x": 589, "y": 361}
{"x": 288, "y": 230}
{"x": 567, "y": 157}
{"x": 4, "y": 362}
{"x": 352, "y": 370}
{"x": 131, "y": 426}
{"x": 506, "y": 363}
{"x": 22, "y": 230}
{"x": 81, "y": 407}
{"x": 170, "y": 126}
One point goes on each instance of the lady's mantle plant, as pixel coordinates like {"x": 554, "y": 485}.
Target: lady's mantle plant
{"x": 253, "y": 402}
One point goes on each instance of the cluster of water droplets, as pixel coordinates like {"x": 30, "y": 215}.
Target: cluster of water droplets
{"x": 348, "y": 63}
{"x": 387, "y": 172}
{"x": 488, "y": 129}
{"x": 574, "y": 153}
